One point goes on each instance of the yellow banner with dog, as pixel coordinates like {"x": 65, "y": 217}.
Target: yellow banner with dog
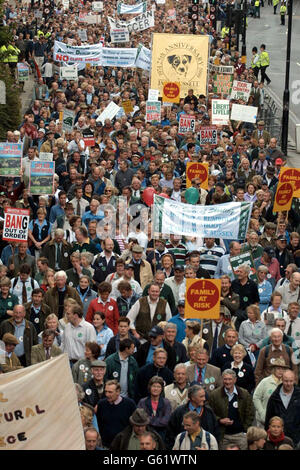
{"x": 39, "y": 408}
{"x": 180, "y": 58}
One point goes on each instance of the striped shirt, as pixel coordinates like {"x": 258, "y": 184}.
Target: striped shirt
{"x": 209, "y": 258}
{"x": 179, "y": 252}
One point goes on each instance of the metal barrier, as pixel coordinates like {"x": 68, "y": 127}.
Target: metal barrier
{"x": 270, "y": 114}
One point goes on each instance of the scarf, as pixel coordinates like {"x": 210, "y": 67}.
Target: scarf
{"x": 275, "y": 440}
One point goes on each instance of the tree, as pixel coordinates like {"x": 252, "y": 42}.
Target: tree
{"x": 10, "y": 112}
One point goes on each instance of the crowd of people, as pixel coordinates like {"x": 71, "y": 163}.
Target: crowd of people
{"x": 92, "y": 282}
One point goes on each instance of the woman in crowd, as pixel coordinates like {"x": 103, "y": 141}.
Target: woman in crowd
{"x": 81, "y": 370}
{"x": 104, "y": 334}
{"x": 244, "y": 372}
{"x": 276, "y": 435}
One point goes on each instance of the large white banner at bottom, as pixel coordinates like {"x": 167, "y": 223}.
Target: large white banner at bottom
{"x": 228, "y": 221}
{"x": 39, "y": 408}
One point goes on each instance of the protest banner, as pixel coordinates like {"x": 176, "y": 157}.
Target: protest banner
{"x": 288, "y": 175}
{"x": 23, "y": 72}
{"x": 38, "y": 404}
{"x": 124, "y": 9}
{"x": 77, "y": 54}
{"x": 41, "y": 179}
{"x": 197, "y": 170}
{"x": 46, "y": 157}
{"x": 220, "y": 112}
{"x": 228, "y": 221}
{"x": 223, "y": 83}
{"x": 16, "y": 223}
{"x": 92, "y": 19}
{"x": 171, "y": 92}
{"x": 127, "y": 106}
{"x": 97, "y": 6}
{"x": 136, "y": 24}
{"x": 10, "y": 159}
{"x": 118, "y": 57}
{"x": 119, "y": 35}
{"x": 243, "y": 258}
{"x": 153, "y": 111}
{"x": 208, "y": 135}
{"x": 66, "y": 4}
{"x": 202, "y": 298}
{"x": 186, "y": 123}
{"x": 241, "y": 90}
{"x": 109, "y": 112}
{"x": 240, "y": 112}
{"x": 221, "y": 68}
{"x": 284, "y": 196}
{"x": 70, "y": 72}
{"x": 180, "y": 58}
{"x": 153, "y": 95}
{"x": 68, "y": 120}
{"x": 143, "y": 59}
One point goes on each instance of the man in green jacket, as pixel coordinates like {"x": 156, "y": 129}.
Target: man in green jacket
{"x": 234, "y": 410}
{"x": 122, "y": 367}
{"x": 165, "y": 290}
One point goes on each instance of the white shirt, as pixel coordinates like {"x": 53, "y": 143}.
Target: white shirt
{"x": 75, "y": 337}
{"x": 135, "y": 309}
{"x": 17, "y": 290}
{"x": 135, "y": 286}
{"x": 295, "y": 328}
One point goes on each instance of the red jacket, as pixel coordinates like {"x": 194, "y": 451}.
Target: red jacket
{"x": 110, "y": 309}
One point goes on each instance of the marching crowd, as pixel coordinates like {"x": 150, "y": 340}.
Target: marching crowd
{"x": 92, "y": 282}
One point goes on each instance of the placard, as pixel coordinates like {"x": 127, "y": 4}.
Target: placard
{"x": 197, "y": 170}
{"x": 220, "y": 112}
{"x": 109, "y": 112}
{"x": 202, "y": 298}
{"x": 287, "y": 175}
{"x": 68, "y": 120}
{"x": 241, "y": 90}
{"x": 220, "y": 68}
{"x": 127, "y": 106}
{"x": 208, "y": 135}
{"x": 240, "y": 112}
{"x": 46, "y": 156}
{"x": 82, "y": 34}
{"x": 10, "y": 159}
{"x": 171, "y": 92}
{"x": 97, "y": 6}
{"x": 69, "y": 72}
{"x": 16, "y": 223}
{"x": 243, "y": 258}
{"x": 153, "y": 111}
{"x": 23, "y": 72}
{"x": 119, "y": 35}
{"x": 283, "y": 197}
{"x": 223, "y": 83}
{"x": 153, "y": 95}
{"x": 186, "y": 123}
{"x": 41, "y": 178}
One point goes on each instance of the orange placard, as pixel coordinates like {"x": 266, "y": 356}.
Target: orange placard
{"x": 197, "y": 170}
{"x": 127, "y": 106}
{"x": 202, "y": 298}
{"x": 171, "y": 92}
{"x": 283, "y": 197}
{"x": 287, "y": 175}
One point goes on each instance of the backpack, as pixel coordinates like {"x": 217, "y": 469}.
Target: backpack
{"x": 207, "y": 437}
{"x": 268, "y": 349}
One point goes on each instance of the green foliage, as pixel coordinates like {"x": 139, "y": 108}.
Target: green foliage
{"x": 10, "y": 113}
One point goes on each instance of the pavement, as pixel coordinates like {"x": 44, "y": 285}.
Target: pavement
{"x": 269, "y": 31}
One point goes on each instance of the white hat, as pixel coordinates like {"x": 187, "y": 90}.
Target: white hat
{"x": 42, "y": 130}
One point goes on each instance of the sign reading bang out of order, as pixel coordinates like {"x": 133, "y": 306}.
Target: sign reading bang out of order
{"x": 16, "y": 223}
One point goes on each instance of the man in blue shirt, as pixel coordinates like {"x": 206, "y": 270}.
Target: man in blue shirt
{"x": 58, "y": 209}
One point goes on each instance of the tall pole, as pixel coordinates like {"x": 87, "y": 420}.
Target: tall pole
{"x": 230, "y": 19}
{"x": 244, "y": 53}
{"x": 286, "y": 93}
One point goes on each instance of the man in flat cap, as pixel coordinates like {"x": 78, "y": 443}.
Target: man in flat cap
{"x": 261, "y": 133}
{"x": 142, "y": 268}
{"x": 11, "y": 359}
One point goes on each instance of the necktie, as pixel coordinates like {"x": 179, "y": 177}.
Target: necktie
{"x": 48, "y": 353}
{"x": 215, "y": 341}
{"x": 289, "y": 331}
{"x": 199, "y": 378}
{"x": 58, "y": 254}
{"x": 24, "y": 293}
{"x": 78, "y": 211}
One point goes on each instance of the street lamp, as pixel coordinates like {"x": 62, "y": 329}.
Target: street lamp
{"x": 286, "y": 93}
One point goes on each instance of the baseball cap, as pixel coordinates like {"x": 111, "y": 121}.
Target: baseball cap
{"x": 270, "y": 251}
{"x": 129, "y": 266}
{"x": 181, "y": 303}
{"x": 281, "y": 237}
{"x": 178, "y": 267}
{"x": 278, "y": 161}
{"x": 155, "y": 331}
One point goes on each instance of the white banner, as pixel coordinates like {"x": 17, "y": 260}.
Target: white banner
{"x": 109, "y": 113}
{"x": 38, "y": 404}
{"x": 220, "y": 112}
{"x": 46, "y": 156}
{"x": 227, "y": 221}
{"x": 240, "y": 90}
{"x": 239, "y": 112}
{"x": 119, "y": 35}
{"x": 89, "y": 54}
{"x": 139, "y": 23}
{"x": 220, "y": 68}
{"x": 124, "y": 9}
{"x": 118, "y": 57}
{"x": 143, "y": 60}
{"x": 153, "y": 95}
{"x": 97, "y": 6}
